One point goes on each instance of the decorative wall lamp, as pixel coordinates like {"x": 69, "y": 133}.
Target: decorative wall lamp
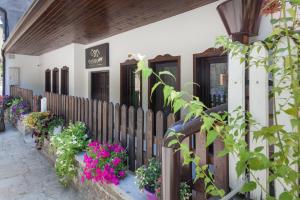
{"x": 241, "y": 18}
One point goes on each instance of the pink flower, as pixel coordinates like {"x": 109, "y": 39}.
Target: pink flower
{"x": 105, "y": 154}
{"x": 116, "y": 161}
{"x": 82, "y": 179}
{"x": 122, "y": 174}
{"x": 104, "y": 163}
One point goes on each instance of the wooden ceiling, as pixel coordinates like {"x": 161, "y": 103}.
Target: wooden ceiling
{"x": 51, "y": 24}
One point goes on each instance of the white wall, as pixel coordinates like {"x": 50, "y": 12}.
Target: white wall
{"x": 182, "y": 35}
{"x": 30, "y": 72}
{"x": 58, "y": 58}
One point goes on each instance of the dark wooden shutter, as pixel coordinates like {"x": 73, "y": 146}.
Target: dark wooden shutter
{"x": 55, "y": 80}
{"x": 48, "y": 80}
{"x": 64, "y": 87}
{"x": 100, "y": 85}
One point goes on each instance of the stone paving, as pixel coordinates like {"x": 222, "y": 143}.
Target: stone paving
{"x": 25, "y": 174}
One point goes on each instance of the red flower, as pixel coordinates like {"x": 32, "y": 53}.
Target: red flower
{"x": 271, "y": 6}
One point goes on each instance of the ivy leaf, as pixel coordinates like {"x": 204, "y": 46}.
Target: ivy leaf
{"x": 211, "y": 137}
{"x": 247, "y": 187}
{"x": 285, "y": 196}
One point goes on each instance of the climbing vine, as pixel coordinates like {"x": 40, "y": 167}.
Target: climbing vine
{"x": 282, "y": 64}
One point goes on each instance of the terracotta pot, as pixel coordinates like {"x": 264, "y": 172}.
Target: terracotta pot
{"x": 150, "y": 195}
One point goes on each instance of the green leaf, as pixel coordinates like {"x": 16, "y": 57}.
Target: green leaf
{"x": 295, "y": 2}
{"x": 247, "y": 187}
{"x": 167, "y": 73}
{"x": 240, "y": 168}
{"x": 178, "y": 104}
{"x": 167, "y": 91}
{"x": 292, "y": 12}
{"x": 285, "y": 196}
{"x": 153, "y": 88}
{"x": 211, "y": 137}
{"x": 146, "y": 72}
{"x": 172, "y": 142}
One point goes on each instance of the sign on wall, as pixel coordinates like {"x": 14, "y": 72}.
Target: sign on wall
{"x": 97, "y": 56}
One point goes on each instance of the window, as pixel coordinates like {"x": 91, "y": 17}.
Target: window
{"x": 210, "y": 74}
{"x": 48, "y": 80}
{"x": 55, "y": 80}
{"x": 64, "y": 87}
{"x": 100, "y": 85}
{"x": 130, "y": 84}
{"x": 158, "y": 64}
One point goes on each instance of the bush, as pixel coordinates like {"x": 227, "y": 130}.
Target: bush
{"x": 71, "y": 141}
{"x": 105, "y": 163}
{"x": 18, "y": 108}
{"x": 149, "y": 175}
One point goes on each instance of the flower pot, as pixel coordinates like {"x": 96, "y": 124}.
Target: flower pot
{"x": 150, "y": 195}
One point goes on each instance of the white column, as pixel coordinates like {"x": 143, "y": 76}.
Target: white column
{"x": 236, "y": 98}
{"x": 259, "y": 108}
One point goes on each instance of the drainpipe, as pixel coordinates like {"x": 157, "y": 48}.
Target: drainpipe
{"x": 6, "y": 33}
{"x": 241, "y": 19}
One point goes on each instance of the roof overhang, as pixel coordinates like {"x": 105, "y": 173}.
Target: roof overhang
{"x": 52, "y": 24}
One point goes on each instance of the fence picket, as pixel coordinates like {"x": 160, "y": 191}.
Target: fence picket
{"x": 140, "y": 137}
{"x": 149, "y": 134}
{"x": 110, "y": 122}
{"x": 160, "y": 130}
{"x": 99, "y": 132}
{"x": 104, "y": 121}
{"x": 131, "y": 137}
{"x": 95, "y": 109}
{"x": 90, "y": 122}
{"x": 117, "y": 124}
{"x": 123, "y": 133}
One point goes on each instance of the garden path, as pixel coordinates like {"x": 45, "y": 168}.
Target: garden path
{"x": 25, "y": 174}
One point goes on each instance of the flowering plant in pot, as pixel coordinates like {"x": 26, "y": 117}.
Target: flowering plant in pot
{"x": 19, "y": 107}
{"x": 66, "y": 145}
{"x": 105, "y": 163}
{"x": 148, "y": 177}
{"x": 41, "y": 123}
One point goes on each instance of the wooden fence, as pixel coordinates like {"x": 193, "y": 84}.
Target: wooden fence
{"x": 174, "y": 172}
{"x": 107, "y": 122}
{"x": 26, "y": 94}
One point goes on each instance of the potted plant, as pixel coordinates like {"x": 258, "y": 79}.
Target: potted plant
{"x": 148, "y": 177}
{"x": 185, "y": 191}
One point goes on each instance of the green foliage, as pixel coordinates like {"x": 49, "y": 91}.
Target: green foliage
{"x": 185, "y": 191}
{"x": 232, "y": 127}
{"x": 54, "y": 123}
{"x": 148, "y": 175}
{"x": 71, "y": 141}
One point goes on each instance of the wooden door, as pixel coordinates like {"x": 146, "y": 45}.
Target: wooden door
{"x": 159, "y": 64}
{"x": 48, "y": 80}
{"x": 55, "y": 80}
{"x": 210, "y": 76}
{"x": 130, "y": 84}
{"x": 64, "y": 87}
{"x": 100, "y": 85}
